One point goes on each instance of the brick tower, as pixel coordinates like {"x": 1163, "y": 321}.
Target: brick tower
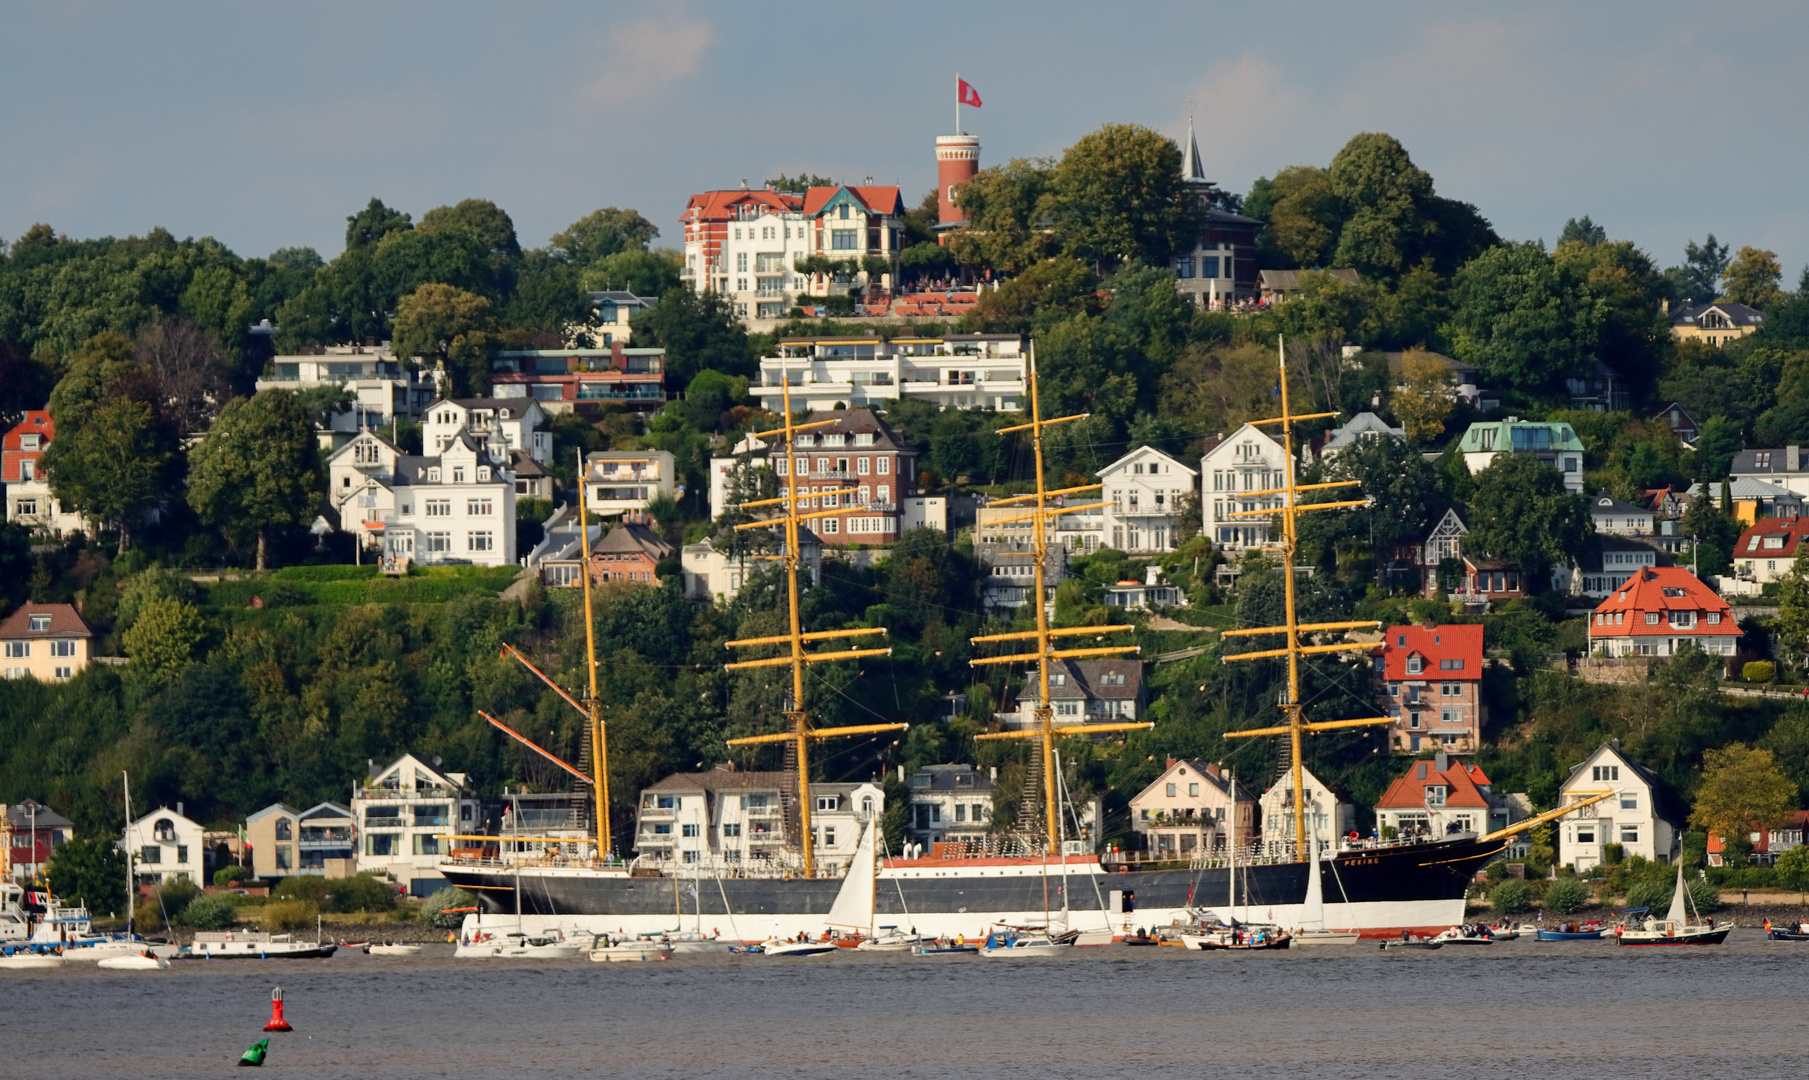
{"x": 957, "y": 160}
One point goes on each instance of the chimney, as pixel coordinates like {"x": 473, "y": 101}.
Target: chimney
{"x": 1212, "y": 768}
{"x": 1440, "y": 762}
{"x": 179, "y": 809}
{"x": 1429, "y": 624}
{"x": 994, "y": 771}
{"x": 1793, "y": 457}
{"x": 901, "y": 778}
{"x": 1171, "y": 763}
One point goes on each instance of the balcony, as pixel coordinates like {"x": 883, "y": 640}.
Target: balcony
{"x": 376, "y": 794}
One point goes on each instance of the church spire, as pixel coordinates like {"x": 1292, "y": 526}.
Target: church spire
{"x": 1192, "y": 171}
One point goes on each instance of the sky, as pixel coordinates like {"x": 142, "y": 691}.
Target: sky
{"x": 265, "y": 125}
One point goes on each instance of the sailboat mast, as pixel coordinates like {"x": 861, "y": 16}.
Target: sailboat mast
{"x": 1289, "y": 511}
{"x": 599, "y": 747}
{"x": 801, "y": 733}
{"x": 1289, "y": 545}
{"x": 1040, "y": 516}
{"x": 125, "y": 781}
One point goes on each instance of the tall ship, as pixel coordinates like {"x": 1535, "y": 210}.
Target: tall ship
{"x": 1376, "y": 888}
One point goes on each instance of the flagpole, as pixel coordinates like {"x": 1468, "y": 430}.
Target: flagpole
{"x": 957, "y": 103}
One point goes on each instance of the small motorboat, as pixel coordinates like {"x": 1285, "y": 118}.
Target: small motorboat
{"x": 1026, "y": 946}
{"x": 1390, "y": 944}
{"x": 799, "y": 948}
{"x": 25, "y": 960}
{"x": 944, "y": 947}
{"x": 1465, "y": 935}
{"x": 1503, "y": 933}
{"x": 146, "y": 961}
{"x": 554, "y": 946}
{"x": 390, "y": 948}
{"x": 892, "y": 940}
{"x": 633, "y": 950}
{"x": 1592, "y": 931}
{"x": 1793, "y": 932}
{"x": 1239, "y": 939}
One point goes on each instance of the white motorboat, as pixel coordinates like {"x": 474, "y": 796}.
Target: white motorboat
{"x": 798, "y": 948}
{"x": 697, "y": 945}
{"x": 1027, "y": 946}
{"x": 1675, "y": 928}
{"x": 257, "y": 945}
{"x": 634, "y": 950}
{"x": 393, "y": 950}
{"x": 29, "y": 960}
{"x": 1325, "y": 937}
{"x": 1465, "y": 935}
{"x": 891, "y": 939}
{"x": 554, "y": 946}
{"x": 139, "y": 962}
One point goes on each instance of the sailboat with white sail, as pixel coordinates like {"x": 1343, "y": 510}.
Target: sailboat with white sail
{"x": 1675, "y": 928}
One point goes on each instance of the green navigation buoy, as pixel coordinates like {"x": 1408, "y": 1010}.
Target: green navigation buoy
{"x": 255, "y": 1055}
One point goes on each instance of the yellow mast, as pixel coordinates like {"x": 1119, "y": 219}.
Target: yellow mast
{"x": 599, "y": 757}
{"x": 1292, "y": 629}
{"x": 802, "y": 734}
{"x": 1046, "y": 729}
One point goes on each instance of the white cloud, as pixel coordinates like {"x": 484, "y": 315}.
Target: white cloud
{"x": 643, "y": 57}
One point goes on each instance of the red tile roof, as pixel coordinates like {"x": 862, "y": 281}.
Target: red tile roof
{"x": 877, "y": 200}
{"x": 65, "y": 622}
{"x": 1461, "y": 782}
{"x": 1789, "y": 532}
{"x": 1440, "y": 646}
{"x": 720, "y": 205}
{"x": 1663, "y": 589}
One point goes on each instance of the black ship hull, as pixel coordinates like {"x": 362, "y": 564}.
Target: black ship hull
{"x": 1378, "y": 892}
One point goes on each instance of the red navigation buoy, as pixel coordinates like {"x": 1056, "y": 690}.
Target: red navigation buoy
{"x": 277, "y": 1023}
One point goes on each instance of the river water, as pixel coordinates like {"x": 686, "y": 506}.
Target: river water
{"x": 1524, "y": 1008}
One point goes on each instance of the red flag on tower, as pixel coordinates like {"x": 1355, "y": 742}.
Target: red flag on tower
{"x": 966, "y": 94}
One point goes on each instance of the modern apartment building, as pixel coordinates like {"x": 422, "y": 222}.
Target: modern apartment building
{"x": 321, "y": 841}
{"x": 383, "y": 386}
{"x": 562, "y": 380}
{"x": 958, "y": 371}
{"x": 1552, "y": 443}
{"x": 628, "y": 480}
{"x": 401, "y": 814}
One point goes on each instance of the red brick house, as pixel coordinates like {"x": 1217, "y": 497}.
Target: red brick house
{"x": 855, "y": 450}
{"x": 630, "y": 552}
{"x": 1431, "y": 679}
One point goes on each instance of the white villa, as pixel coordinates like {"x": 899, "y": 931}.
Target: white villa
{"x": 168, "y": 846}
{"x": 456, "y": 506}
{"x": 1231, "y": 472}
{"x": 1630, "y": 819}
{"x": 1145, "y": 488}
{"x": 519, "y": 420}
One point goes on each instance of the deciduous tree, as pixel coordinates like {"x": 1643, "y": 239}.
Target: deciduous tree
{"x": 1425, "y": 396}
{"x": 1741, "y": 790}
{"x": 1118, "y": 196}
{"x": 257, "y": 470}
{"x": 1521, "y": 512}
{"x": 451, "y": 327}
{"x": 1753, "y": 278}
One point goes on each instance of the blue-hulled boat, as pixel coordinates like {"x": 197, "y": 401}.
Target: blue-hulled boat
{"x": 1573, "y": 932}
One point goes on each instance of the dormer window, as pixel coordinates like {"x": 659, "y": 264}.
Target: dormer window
{"x": 483, "y": 474}
{"x": 1415, "y": 665}
{"x": 39, "y": 624}
{"x": 433, "y": 474}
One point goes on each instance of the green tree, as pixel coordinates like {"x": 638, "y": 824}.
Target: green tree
{"x": 164, "y": 639}
{"x": 257, "y": 470}
{"x": 1373, "y": 177}
{"x": 1007, "y": 209}
{"x": 1793, "y": 869}
{"x": 644, "y": 273}
{"x": 1714, "y": 531}
{"x": 1118, "y": 196}
{"x": 112, "y": 465}
{"x": 1402, "y": 488}
{"x": 481, "y": 216}
{"x": 1514, "y": 320}
{"x": 1793, "y": 608}
{"x": 602, "y": 233}
{"x": 434, "y": 909}
{"x": 1582, "y": 231}
{"x": 1425, "y": 396}
{"x": 92, "y": 871}
{"x": 1753, "y": 277}
{"x": 800, "y": 183}
{"x": 1742, "y": 789}
{"x": 1511, "y": 897}
{"x": 1566, "y": 895}
{"x": 698, "y": 331}
{"x": 216, "y": 912}
{"x": 373, "y": 223}
{"x": 452, "y": 327}
{"x": 1303, "y": 214}
{"x": 1716, "y": 444}
{"x": 1521, "y": 512}
{"x": 1699, "y": 278}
